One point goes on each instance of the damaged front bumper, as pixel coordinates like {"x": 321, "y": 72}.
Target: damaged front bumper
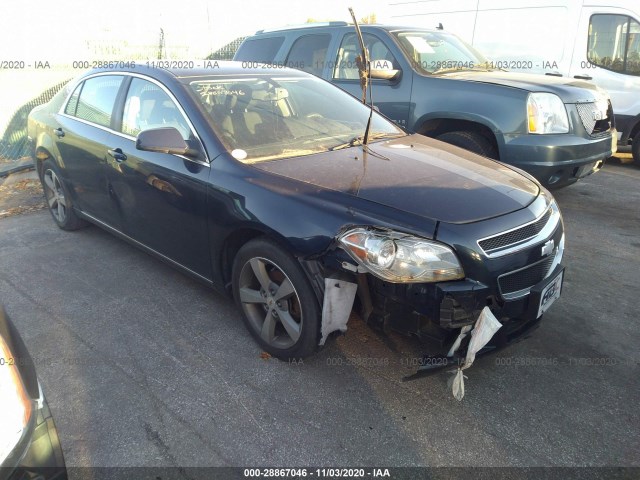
{"x": 434, "y": 313}
{"x": 515, "y": 273}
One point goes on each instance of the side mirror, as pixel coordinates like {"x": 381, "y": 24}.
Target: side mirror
{"x": 383, "y": 70}
{"x": 164, "y": 140}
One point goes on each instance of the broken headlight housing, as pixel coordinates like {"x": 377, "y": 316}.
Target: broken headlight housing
{"x": 401, "y": 258}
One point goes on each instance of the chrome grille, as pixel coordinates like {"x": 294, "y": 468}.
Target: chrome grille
{"x": 595, "y": 116}
{"x": 520, "y": 281}
{"x": 513, "y": 237}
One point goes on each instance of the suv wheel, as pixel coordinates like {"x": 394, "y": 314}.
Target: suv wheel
{"x": 472, "y": 141}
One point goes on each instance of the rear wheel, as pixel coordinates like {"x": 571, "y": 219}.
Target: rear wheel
{"x": 472, "y": 141}
{"x": 58, "y": 198}
{"x": 278, "y": 304}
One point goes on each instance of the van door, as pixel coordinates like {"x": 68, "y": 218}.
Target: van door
{"x": 607, "y": 52}
{"x": 392, "y": 97}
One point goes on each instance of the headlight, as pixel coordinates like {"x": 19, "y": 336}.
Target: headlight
{"x": 546, "y": 114}
{"x": 401, "y": 258}
{"x": 15, "y": 404}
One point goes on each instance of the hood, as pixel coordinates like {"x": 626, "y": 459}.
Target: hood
{"x": 568, "y": 89}
{"x": 419, "y": 175}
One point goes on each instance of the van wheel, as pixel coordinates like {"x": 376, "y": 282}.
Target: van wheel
{"x": 58, "y": 198}
{"x": 279, "y": 306}
{"x": 635, "y": 149}
{"x": 474, "y": 142}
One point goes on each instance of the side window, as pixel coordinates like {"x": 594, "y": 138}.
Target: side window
{"x": 96, "y": 100}
{"x": 614, "y": 43}
{"x": 72, "y": 105}
{"x": 262, "y": 50}
{"x": 308, "y": 53}
{"x": 148, "y": 106}
{"x": 346, "y": 67}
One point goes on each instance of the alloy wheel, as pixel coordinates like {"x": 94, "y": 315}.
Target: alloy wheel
{"x": 270, "y": 303}
{"x": 55, "y": 196}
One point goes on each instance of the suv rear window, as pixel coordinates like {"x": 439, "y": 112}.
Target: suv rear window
{"x": 261, "y": 50}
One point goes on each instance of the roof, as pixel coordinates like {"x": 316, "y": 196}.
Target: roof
{"x": 226, "y": 68}
{"x": 305, "y": 25}
{"x": 187, "y": 75}
{"x": 363, "y": 27}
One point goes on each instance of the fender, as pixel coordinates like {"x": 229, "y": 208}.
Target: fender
{"x": 463, "y": 116}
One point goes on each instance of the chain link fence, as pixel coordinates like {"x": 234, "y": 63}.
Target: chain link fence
{"x": 228, "y": 51}
{"x": 14, "y": 149}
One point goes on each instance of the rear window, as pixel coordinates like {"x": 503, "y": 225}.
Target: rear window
{"x": 97, "y": 98}
{"x": 72, "y": 105}
{"x": 261, "y": 50}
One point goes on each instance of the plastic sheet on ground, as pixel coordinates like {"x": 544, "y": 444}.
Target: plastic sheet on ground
{"x": 483, "y": 331}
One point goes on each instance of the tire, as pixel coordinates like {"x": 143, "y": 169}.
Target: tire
{"x": 58, "y": 199}
{"x": 278, "y": 304}
{"x": 474, "y": 142}
{"x": 635, "y": 149}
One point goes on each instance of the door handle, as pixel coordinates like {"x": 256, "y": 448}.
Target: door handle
{"x": 59, "y": 132}
{"x": 117, "y": 154}
{"x": 583, "y": 77}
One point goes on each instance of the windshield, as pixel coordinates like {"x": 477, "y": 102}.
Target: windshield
{"x": 436, "y": 52}
{"x": 268, "y": 117}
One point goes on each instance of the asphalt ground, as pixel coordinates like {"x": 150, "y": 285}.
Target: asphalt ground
{"x": 142, "y": 366}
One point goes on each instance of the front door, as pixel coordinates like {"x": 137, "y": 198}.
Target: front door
{"x": 392, "y": 97}
{"x": 162, "y": 197}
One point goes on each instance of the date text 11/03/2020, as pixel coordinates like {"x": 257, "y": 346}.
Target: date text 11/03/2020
{"x": 317, "y": 472}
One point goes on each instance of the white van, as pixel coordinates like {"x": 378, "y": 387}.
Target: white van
{"x": 584, "y": 39}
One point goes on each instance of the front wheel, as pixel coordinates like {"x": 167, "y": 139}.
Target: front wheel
{"x": 278, "y": 304}
{"x": 474, "y": 142}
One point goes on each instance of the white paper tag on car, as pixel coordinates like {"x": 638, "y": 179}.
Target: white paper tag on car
{"x": 550, "y": 294}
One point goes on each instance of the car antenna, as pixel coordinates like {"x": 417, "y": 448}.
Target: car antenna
{"x": 364, "y": 71}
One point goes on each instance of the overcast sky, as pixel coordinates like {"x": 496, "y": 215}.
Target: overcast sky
{"x": 58, "y": 31}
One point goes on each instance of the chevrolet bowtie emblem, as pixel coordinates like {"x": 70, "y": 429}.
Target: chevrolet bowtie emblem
{"x": 547, "y": 248}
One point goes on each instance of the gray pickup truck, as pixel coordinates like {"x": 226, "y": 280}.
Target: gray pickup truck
{"x": 431, "y": 82}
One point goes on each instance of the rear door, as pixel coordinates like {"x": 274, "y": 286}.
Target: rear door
{"x": 82, "y": 140}
{"x": 162, "y": 196}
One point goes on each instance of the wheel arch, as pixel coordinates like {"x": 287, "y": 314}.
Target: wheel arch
{"x": 627, "y": 127}
{"x": 45, "y": 149}
{"x": 635, "y": 129}
{"x": 235, "y": 240}
{"x": 438, "y": 123}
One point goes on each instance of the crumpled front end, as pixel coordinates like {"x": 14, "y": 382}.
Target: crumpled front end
{"x": 512, "y": 265}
